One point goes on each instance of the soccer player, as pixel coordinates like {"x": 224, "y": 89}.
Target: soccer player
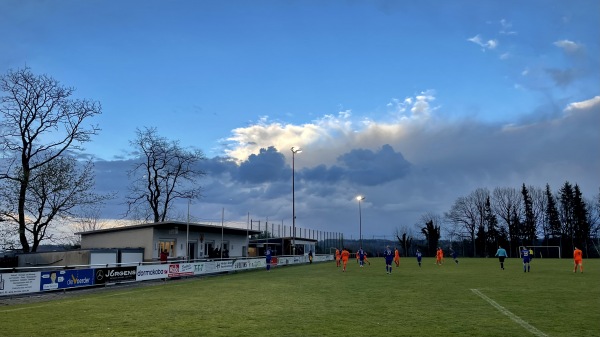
{"x": 337, "y": 257}
{"x": 345, "y": 255}
{"x": 419, "y": 257}
{"x": 531, "y": 255}
{"x": 578, "y": 259}
{"x": 439, "y": 256}
{"x": 501, "y": 254}
{"x": 268, "y": 258}
{"x": 361, "y": 257}
{"x": 389, "y": 256}
{"x": 396, "y": 257}
{"x": 454, "y": 255}
{"x": 525, "y": 256}
{"x": 367, "y": 260}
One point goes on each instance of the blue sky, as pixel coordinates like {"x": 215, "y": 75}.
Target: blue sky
{"x": 412, "y": 104}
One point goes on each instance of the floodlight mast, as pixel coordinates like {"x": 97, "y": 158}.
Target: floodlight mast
{"x": 360, "y": 198}
{"x": 294, "y": 151}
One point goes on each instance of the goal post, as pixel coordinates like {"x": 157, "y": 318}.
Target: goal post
{"x": 543, "y": 251}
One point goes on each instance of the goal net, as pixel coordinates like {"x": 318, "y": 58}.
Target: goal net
{"x": 542, "y": 251}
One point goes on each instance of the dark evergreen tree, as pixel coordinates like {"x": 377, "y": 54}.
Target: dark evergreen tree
{"x": 480, "y": 240}
{"x": 493, "y": 234}
{"x": 515, "y": 231}
{"x": 581, "y": 226}
{"x": 566, "y": 216}
{"x": 552, "y": 219}
{"x": 528, "y": 227}
{"x": 432, "y": 235}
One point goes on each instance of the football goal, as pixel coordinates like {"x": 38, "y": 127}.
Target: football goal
{"x": 543, "y": 251}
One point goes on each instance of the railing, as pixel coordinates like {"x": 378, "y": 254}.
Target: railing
{"x": 25, "y": 280}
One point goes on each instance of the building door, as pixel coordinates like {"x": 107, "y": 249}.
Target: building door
{"x": 192, "y": 250}
{"x": 209, "y": 248}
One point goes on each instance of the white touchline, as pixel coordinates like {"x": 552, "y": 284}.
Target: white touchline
{"x": 512, "y": 316}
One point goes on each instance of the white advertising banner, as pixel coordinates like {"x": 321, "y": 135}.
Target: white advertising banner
{"x": 245, "y": 264}
{"x": 19, "y": 283}
{"x": 152, "y": 272}
{"x": 181, "y": 269}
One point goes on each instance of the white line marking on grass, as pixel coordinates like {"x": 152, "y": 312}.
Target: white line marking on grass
{"x": 512, "y": 316}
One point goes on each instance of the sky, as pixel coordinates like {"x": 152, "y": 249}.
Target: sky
{"x": 410, "y": 104}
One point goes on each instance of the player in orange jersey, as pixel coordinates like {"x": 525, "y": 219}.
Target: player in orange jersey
{"x": 337, "y": 257}
{"x": 439, "y": 256}
{"x": 365, "y": 259}
{"x": 396, "y": 257}
{"x": 578, "y": 259}
{"x": 345, "y": 257}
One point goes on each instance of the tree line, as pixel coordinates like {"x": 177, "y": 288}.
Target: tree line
{"x": 511, "y": 217}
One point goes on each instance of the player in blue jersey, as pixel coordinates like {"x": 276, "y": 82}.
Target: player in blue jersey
{"x": 454, "y": 255}
{"x": 361, "y": 257}
{"x": 526, "y": 260}
{"x": 268, "y": 258}
{"x": 419, "y": 257}
{"x": 389, "y": 257}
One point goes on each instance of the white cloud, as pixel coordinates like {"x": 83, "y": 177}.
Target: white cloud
{"x": 489, "y": 44}
{"x": 506, "y": 28}
{"x": 568, "y": 46}
{"x": 583, "y": 105}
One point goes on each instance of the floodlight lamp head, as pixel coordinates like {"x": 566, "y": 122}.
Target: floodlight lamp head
{"x": 296, "y": 149}
{"x": 360, "y": 198}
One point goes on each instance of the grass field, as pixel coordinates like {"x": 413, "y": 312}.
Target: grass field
{"x": 474, "y": 298}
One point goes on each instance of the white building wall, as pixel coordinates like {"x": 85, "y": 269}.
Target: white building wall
{"x": 135, "y": 238}
{"x": 236, "y": 243}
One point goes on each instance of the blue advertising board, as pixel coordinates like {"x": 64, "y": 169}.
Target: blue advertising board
{"x": 63, "y": 279}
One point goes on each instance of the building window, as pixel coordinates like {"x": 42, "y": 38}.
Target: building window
{"x": 168, "y": 246}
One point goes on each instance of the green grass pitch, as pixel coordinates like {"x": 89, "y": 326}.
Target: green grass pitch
{"x": 474, "y": 298}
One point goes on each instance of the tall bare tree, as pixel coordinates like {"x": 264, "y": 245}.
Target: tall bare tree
{"x": 41, "y": 123}
{"x": 539, "y": 208}
{"x": 404, "y": 237}
{"x": 164, "y": 173}
{"x": 469, "y": 212}
{"x": 506, "y": 203}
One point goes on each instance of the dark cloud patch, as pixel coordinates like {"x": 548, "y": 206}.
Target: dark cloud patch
{"x": 266, "y": 166}
{"x": 218, "y": 166}
{"x": 366, "y": 167}
{"x": 562, "y": 78}
{"x": 323, "y": 173}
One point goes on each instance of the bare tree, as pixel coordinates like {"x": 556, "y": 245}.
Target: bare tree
{"x": 469, "y": 212}
{"x": 506, "y": 202}
{"x": 538, "y": 198}
{"x": 404, "y": 237}
{"x": 165, "y": 172}
{"x": 57, "y": 192}
{"x": 9, "y": 240}
{"x": 89, "y": 220}
{"x": 41, "y": 123}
